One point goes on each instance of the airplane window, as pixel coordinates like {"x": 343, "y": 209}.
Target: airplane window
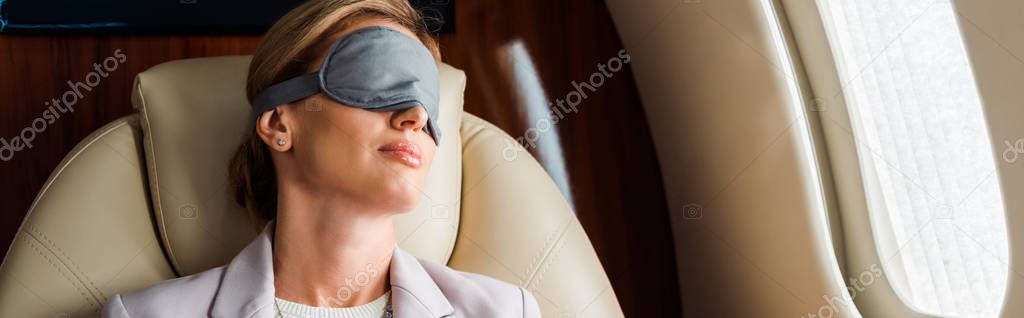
{"x": 925, "y": 152}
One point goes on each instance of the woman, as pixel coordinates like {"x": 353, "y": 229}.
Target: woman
{"x": 345, "y": 96}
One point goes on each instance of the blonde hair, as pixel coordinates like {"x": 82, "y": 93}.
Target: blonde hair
{"x": 288, "y": 49}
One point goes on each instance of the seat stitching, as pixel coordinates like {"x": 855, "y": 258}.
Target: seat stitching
{"x": 475, "y": 127}
{"x": 67, "y": 259}
{"x": 28, "y": 239}
{"x": 66, "y": 162}
{"x": 557, "y": 251}
{"x": 538, "y": 257}
{"x": 561, "y": 233}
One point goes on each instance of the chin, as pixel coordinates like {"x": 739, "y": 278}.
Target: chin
{"x": 402, "y": 201}
{"x": 402, "y": 207}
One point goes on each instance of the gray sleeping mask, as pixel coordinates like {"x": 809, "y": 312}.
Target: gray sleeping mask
{"x": 375, "y": 68}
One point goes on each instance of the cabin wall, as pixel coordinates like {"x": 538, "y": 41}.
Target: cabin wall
{"x": 992, "y": 34}
{"x": 751, "y": 234}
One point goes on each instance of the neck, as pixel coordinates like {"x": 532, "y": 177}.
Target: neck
{"x": 328, "y": 256}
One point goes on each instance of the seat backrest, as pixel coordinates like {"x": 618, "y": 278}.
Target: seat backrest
{"x": 145, "y": 199}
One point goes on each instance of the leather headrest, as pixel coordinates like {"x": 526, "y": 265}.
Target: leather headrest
{"x": 194, "y": 115}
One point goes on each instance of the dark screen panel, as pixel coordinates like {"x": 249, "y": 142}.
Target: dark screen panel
{"x": 171, "y": 16}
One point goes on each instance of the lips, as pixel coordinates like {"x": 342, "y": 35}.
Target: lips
{"x": 404, "y": 151}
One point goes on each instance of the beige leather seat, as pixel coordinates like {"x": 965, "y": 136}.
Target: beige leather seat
{"x": 144, "y": 199}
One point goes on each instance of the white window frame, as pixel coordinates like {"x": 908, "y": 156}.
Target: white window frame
{"x": 846, "y": 194}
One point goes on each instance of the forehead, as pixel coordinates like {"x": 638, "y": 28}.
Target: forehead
{"x": 367, "y": 22}
{"x": 360, "y": 23}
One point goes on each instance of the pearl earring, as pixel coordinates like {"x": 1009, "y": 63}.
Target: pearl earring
{"x": 280, "y": 142}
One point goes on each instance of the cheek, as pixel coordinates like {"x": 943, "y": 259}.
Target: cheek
{"x": 331, "y": 155}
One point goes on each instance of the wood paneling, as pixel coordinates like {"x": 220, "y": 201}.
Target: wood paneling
{"x": 613, "y": 173}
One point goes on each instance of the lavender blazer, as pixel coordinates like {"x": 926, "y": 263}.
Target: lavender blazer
{"x": 245, "y": 288}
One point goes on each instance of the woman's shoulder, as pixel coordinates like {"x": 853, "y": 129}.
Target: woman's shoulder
{"x": 464, "y": 288}
{"x": 169, "y": 297}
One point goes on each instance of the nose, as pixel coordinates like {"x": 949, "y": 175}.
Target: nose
{"x": 413, "y": 118}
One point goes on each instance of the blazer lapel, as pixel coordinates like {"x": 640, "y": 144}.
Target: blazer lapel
{"x": 413, "y": 292}
{"x": 247, "y": 289}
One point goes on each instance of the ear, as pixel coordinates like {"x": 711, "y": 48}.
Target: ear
{"x": 275, "y": 126}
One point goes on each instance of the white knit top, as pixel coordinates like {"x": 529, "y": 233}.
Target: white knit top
{"x": 373, "y": 309}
